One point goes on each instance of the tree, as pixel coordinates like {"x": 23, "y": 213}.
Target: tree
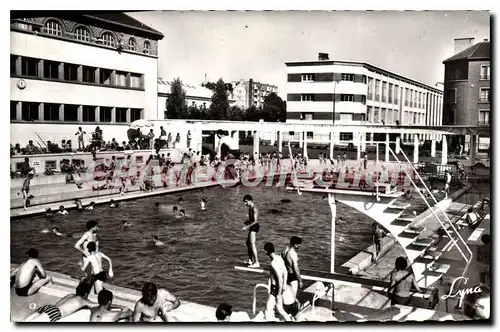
{"x": 235, "y": 114}
{"x": 175, "y": 106}
{"x": 274, "y": 108}
{"x": 220, "y": 105}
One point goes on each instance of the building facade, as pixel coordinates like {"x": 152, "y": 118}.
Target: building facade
{"x": 80, "y": 70}
{"x": 248, "y": 93}
{"x": 341, "y": 92}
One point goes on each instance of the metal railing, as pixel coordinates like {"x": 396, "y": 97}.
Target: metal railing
{"x": 452, "y": 239}
{"x": 260, "y": 285}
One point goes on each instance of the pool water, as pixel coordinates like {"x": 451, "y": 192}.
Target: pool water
{"x": 197, "y": 262}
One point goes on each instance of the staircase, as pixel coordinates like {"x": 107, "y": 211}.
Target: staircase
{"x": 430, "y": 259}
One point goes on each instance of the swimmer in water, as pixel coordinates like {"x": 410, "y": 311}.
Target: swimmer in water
{"x": 62, "y": 211}
{"x": 175, "y": 209}
{"x": 48, "y": 213}
{"x": 126, "y": 224}
{"x": 157, "y": 205}
{"x": 157, "y": 242}
{"x": 90, "y": 207}
{"x": 112, "y": 204}
{"x": 203, "y": 204}
{"x": 56, "y": 231}
{"x": 182, "y": 214}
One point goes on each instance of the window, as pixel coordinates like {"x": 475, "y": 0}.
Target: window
{"x": 53, "y": 27}
{"x": 450, "y": 96}
{"x": 382, "y": 114}
{"x": 485, "y": 72}
{"x": 139, "y": 159}
{"x": 396, "y": 94}
{"x": 369, "y": 113}
{"x": 108, "y": 39}
{"x": 135, "y": 114}
{"x": 13, "y": 59}
{"x": 390, "y": 93}
{"x": 363, "y": 100}
{"x": 88, "y": 113}
{"x": 308, "y": 97}
{"x": 306, "y": 116}
{"x": 29, "y": 66}
{"x": 389, "y": 116}
{"x": 363, "y": 79}
{"x": 105, "y": 114}
{"x": 307, "y": 77}
{"x": 346, "y": 136}
{"x": 384, "y": 92}
{"x": 50, "y": 164}
{"x": 120, "y": 78}
{"x": 377, "y": 90}
{"x": 132, "y": 44}
{"x": 376, "y": 115}
{"x": 407, "y": 96}
{"x": 147, "y": 47}
{"x": 105, "y": 76}
{"x": 396, "y": 116}
{"x": 347, "y": 77}
{"x": 415, "y": 118}
{"x": 484, "y": 95}
{"x": 484, "y": 116}
{"x": 29, "y": 111}
{"x": 51, "y": 69}
{"x": 310, "y": 135}
{"x": 82, "y": 34}
{"x": 88, "y": 74}
{"x": 370, "y": 88}
{"x": 13, "y": 110}
{"x": 51, "y": 112}
{"x": 346, "y": 97}
{"x": 71, "y": 113}
{"x": 411, "y": 98}
{"x": 135, "y": 81}
{"x": 70, "y": 72}
{"x": 121, "y": 115}
{"x": 345, "y": 116}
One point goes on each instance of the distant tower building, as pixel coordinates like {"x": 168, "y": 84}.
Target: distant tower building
{"x": 247, "y": 93}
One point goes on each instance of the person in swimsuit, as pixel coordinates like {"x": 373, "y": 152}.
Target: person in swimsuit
{"x": 278, "y": 278}
{"x": 157, "y": 242}
{"x": 98, "y": 276}
{"x": 30, "y": 276}
{"x": 90, "y": 207}
{"x": 89, "y": 236}
{"x": 112, "y": 204}
{"x": 401, "y": 282}
{"x": 48, "y": 213}
{"x": 62, "y": 211}
{"x": 203, "y": 204}
{"x": 78, "y": 203}
{"x": 253, "y": 228}
{"x": 447, "y": 183}
{"x": 291, "y": 259}
{"x": 102, "y": 313}
{"x": 377, "y": 235}
{"x": 126, "y": 224}
{"x": 227, "y": 146}
{"x": 67, "y": 306}
{"x": 223, "y": 312}
{"x": 290, "y": 303}
{"x": 26, "y": 189}
{"x": 154, "y": 302}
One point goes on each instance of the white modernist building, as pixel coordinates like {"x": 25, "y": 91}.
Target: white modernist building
{"x": 342, "y": 92}
{"x": 71, "y": 70}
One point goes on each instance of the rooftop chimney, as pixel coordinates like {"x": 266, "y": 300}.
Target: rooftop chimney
{"x": 463, "y": 43}
{"x": 323, "y": 56}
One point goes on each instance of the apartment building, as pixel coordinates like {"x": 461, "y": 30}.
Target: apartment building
{"x": 467, "y": 88}
{"x": 247, "y": 93}
{"x": 71, "y": 70}
{"x": 344, "y": 92}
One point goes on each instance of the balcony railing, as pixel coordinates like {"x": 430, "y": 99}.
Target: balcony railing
{"x": 484, "y": 100}
{"x": 484, "y": 77}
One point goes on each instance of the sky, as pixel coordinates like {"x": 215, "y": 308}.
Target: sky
{"x": 235, "y": 45}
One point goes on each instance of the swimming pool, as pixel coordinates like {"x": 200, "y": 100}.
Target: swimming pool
{"x": 197, "y": 262}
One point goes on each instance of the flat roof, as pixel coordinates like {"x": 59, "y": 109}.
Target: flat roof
{"x": 365, "y": 65}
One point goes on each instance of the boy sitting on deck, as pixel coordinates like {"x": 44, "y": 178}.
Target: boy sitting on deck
{"x": 94, "y": 258}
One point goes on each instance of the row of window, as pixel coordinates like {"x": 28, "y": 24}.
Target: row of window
{"x": 460, "y": 71}
{"x": 343, "y": 77}
{"x": 343, "y": 97}
{"x": 82, "y": 33}
{"x": 338, "y": 116}
{"x": 22, "y": 66}
{"x": 450, "y": 95}
{"x": 34, "y": 111}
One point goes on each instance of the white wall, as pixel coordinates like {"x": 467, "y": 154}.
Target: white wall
{"x": 31, "y": 45}
{"x": 327, "y": 69}
{"x": 325, "y": 106}
{"x": 327, "y": 87}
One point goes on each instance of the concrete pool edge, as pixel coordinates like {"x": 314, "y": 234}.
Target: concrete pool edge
{"x": 63, "y": 285}
{"x": 363, "y": 259}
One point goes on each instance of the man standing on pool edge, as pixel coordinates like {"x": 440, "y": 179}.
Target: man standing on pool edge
{"x": 253, "y": 228}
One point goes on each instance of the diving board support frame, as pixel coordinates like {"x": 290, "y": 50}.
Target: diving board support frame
{"x": 333, "y": 207}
